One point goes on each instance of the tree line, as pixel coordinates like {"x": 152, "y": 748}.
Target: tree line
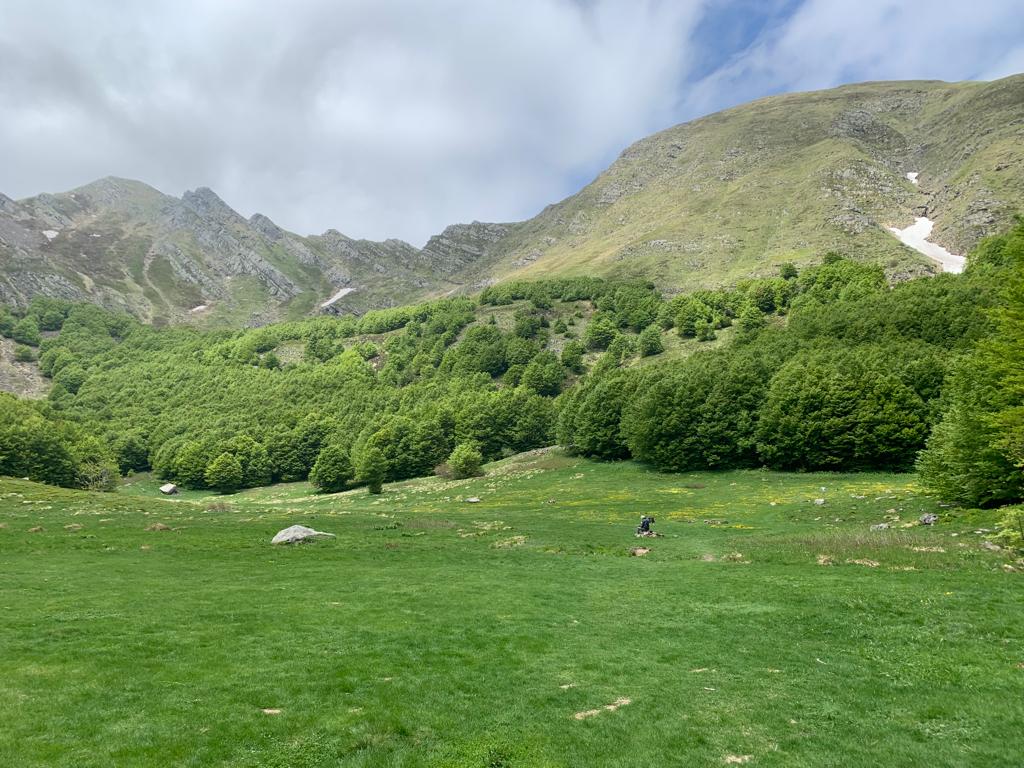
{"x": 828, "y": 367}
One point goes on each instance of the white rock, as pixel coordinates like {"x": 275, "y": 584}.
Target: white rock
{"x": 296, "y": 533}
{"x": 168, "y": 488}
{"x": 819, "y": 502}
{"x": 472, "y": 500}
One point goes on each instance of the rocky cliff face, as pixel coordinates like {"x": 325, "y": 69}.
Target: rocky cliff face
{"x": 125, "y": 245}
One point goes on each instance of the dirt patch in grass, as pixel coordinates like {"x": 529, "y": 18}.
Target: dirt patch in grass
{"x": 515, "y": 541}
{"x": 734, "y": 557}
{"x": 587, "y": 713}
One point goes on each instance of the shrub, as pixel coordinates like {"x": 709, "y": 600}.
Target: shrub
{"x": 572, "y": 356}
{"x": 23, "y": 354}
{"x": 27, "y": 332}
{"x": 466, "y": 461}
{"x": 600, "y": 332}
{"x": 650, "y": 341}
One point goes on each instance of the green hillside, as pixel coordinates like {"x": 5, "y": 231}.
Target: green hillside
{"x": 829, "y": 367}
{"x": 787, "y": 178}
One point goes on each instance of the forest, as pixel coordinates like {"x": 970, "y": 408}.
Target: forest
{"x": 826, "y": 368}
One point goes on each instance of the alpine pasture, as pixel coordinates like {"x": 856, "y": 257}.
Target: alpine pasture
{"x": 769, "y": 625}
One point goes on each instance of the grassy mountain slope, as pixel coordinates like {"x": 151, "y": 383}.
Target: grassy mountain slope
{"x": 703, "y": 204}
{"x": 786, "y": 178}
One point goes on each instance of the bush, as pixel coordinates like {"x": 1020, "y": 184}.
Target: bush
{"x": 27, "y": 332}
{"x": 23, "y": 354}
{"x": 332, "y": 471}
{"x": 1011, "y": 529}
{"x": 466, "y": 461}
{"x": 572, "y": 356}
{"x": 650, "y": 341}
{"x": 600, "y": 332}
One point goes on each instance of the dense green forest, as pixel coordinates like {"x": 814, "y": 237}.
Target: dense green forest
{"x": 826, "y": 368}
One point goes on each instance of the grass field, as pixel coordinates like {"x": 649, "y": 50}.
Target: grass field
{"x": 761, "y": 629}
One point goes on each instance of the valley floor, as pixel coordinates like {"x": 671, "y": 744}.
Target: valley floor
{"x": 763, "y": 628}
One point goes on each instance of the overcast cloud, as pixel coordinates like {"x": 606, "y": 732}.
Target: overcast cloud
{"x": 391, "y": 118}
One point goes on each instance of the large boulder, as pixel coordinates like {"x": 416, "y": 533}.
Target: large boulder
{"x": 296, "y": 533}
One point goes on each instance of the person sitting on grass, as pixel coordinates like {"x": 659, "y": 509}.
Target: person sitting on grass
{"x": 644, "y": 529}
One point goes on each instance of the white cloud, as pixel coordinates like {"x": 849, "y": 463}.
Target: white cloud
{"x": 830, "y": 42}
{"x": 377, "y": 118}
{"x": 393, "y": 118}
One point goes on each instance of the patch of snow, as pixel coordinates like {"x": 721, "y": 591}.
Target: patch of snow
{"x": 50, "y": 233}
{"x": 95, "y": 234}
{"x": 200, "y": 308}
{"x": 916, "y": 236}
{"x": 340, "y": 294}
{"x": 913, "y": 177}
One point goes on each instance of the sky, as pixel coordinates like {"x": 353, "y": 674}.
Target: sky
{"x": 395, "y": 118}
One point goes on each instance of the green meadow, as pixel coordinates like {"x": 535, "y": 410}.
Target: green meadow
{"x": 762, "y": 628}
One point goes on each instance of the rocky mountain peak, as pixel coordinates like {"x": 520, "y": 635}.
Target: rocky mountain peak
{"x": 266, "y": 227}
{"x": 206, "y": 203}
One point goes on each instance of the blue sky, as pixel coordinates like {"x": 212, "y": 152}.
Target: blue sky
{"x": 394, "y": 118}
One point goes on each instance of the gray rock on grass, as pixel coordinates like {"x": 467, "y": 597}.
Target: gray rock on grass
{"x": 297, "y": 533}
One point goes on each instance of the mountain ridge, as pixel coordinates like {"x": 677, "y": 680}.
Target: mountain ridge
{"x": 700, "y": 204}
